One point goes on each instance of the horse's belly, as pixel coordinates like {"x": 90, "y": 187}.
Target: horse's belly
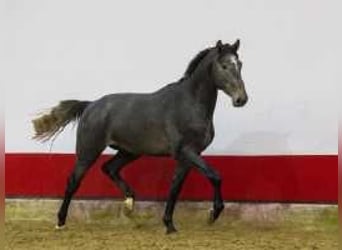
{"x": 154, "y": 146}
{"x": 148, "y": 143}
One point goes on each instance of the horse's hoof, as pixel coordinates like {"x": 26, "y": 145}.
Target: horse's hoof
{"x": 211, "y": 216}
{"x": 129, "y": 204}
{"x": 171, "y": 230}
{"x": 58, "y": 227}
{"x": 214, "y": 214}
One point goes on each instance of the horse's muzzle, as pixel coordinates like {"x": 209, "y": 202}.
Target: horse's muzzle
{"x": 240, "y": 101}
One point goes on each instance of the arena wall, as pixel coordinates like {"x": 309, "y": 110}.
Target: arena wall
{"x": 281, "y": 147}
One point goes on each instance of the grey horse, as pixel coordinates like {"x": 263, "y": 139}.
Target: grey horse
{"x": 176, "y": 121}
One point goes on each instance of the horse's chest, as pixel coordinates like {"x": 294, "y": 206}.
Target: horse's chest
{"x": 208, "y": 135}
{"x": 200, "y": 135}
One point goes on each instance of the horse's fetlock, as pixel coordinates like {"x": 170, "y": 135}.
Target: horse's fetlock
{"x": 219, "y": 206}
{"x": 167, "y": 220}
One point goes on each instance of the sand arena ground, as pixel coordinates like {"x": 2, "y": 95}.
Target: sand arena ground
{"x": 95, "y": 225}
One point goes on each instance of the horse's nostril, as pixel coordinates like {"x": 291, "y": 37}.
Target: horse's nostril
{"x": 238, "y": 101}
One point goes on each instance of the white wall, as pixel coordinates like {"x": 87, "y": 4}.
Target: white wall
{"x": 84, "y": 49}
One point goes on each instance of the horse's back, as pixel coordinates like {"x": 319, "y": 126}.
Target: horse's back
{"x": 135, "y": 122}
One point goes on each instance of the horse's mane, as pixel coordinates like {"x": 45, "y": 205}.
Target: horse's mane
{"x": 195, "y": 62}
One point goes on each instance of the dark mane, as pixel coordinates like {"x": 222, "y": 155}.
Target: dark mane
{"x": 195, "y": 62}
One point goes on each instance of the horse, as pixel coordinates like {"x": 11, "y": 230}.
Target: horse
{"x": 175, "y": 120}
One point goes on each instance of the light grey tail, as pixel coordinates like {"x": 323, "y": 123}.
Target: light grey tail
{"x": 52, "y": 123}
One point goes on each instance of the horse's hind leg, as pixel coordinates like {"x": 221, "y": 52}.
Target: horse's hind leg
{"x": 112, "y": 168}
{"x": 74, "y": 181}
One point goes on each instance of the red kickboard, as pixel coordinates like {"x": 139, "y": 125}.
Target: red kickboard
{"x": 295, "y": 178}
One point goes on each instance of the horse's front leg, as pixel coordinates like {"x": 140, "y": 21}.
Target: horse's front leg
{"x": 213, "y": 177}
{"x": 180, "y": 175}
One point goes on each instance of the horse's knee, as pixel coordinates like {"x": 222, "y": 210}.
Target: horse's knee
{"x": 215, "y": 179}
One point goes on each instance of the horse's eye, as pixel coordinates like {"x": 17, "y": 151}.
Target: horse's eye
{"x": 224, "y": 66}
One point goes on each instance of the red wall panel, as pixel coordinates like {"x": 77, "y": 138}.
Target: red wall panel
{"x": 298, "y": 178}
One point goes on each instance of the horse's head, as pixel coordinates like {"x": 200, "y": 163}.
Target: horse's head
{"x": 227, "y": 73}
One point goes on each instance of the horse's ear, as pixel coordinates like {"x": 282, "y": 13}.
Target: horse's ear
{"x": 219, "y": 45}
{"x": 236, "y": 45}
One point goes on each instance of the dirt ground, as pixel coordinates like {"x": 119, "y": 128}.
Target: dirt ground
{"x": 303, "y": 229}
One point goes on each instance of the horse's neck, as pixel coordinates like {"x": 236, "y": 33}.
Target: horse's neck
{"x": 204, "y": 92}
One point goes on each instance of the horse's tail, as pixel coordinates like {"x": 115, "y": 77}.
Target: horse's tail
{"x": 52, "y": 123}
